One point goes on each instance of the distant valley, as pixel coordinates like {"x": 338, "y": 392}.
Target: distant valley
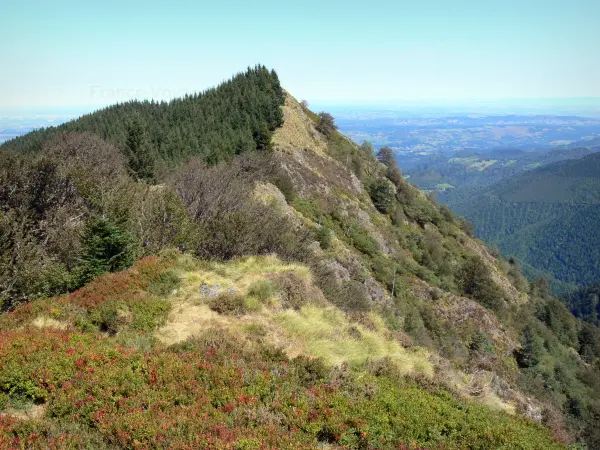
{"x": 413, "y": 137}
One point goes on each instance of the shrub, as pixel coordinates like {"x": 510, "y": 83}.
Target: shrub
{"x": 230, "y": 221}
{"x": 285, "y": 184}
{"x": 394, "y": 174}
{"x": 111, "y": 317}
{"x": 362, "y": 241}
{"x": 164, "y": 284}
{"x": 323, "y": 235}
{"x": 294, "y": 289}
{"x": 355, "y": 296}
{"x": 384, "y": 270}
{"x": 382, "y": 193}
{"x": 307, "y": 207}
{"x": 475, "y": 280}
{"x": 228, "y": 303}
{"x": 326, "y": 124}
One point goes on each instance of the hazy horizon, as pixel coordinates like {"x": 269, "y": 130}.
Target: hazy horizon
{"x": 493, "y": 106}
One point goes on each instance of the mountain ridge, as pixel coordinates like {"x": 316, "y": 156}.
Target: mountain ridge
{"x": 363, "y": 261}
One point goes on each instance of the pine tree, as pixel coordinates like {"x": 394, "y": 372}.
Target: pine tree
{"x": 141, "y": 160}
{"x": 107, "y": 248}
{"x": 533, "y": 348}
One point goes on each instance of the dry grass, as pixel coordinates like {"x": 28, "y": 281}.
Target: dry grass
{"x": 298, "y": 131}
{"x": 327, "y": 333}
{"x": 315, "y": 330}
{"x": 47, "y": 322}
{"x": 30, "y": 412}
{"x": 478, "y": 386}
{"x": 191, "y": 313}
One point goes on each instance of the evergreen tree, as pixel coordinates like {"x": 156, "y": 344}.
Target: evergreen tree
{"x": 141, "y": 160}
{"x": 107, "y": 248}
{"x": 533, "y": 348}
{"x": 262, "y": 138}
{"x": 237, "y": 116}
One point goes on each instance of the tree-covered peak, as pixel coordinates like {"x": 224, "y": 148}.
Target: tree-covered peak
{"x": 237, "y": 116}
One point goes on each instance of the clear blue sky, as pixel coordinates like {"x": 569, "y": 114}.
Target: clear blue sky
{"x": 71, "y": 53}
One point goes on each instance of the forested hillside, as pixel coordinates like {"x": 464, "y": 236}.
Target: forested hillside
{"x": 237, "y": 116}
{"x": 585, "y": 303}
{"x": 465, "y": 173}
{"x": 276, "y": 286}
{"x": 546, "y": 218}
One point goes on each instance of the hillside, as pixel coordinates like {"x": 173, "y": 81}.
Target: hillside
{"x": 546, "y": 218}
{"x": 297, "y": 293}
{"x": 214, "y": 375}
{"x": 585, "y": 303}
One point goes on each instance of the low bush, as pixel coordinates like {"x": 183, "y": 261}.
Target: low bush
{"x": 323, "y": 235}
{"x": 165, "y": 284}
{"x": 294, "y": 289}
{"x": 475, "y": 280}
{"x": 219, "y": 391}
{"x": 228, "y": 303}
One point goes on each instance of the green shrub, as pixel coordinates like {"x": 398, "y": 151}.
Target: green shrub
{"x": 165, "y": 284}
{"x": 149, "y": 314}
{"x": 307, "y": 207}
{"x": 476, "y": 281}
{"x": 323, "y": 235}
{"x": 285, "y": 184}
{"x": 481, "y": 343}
{"x": 383, "y": 194}
{"x": 363, "y": 242}
{"x": 111, "y": 316}
{"x": 384, "y": 270}
{"x": 353, "y": 297}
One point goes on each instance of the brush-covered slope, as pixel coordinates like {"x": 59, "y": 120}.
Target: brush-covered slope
{"x": 546, "y": 218}
{"x": 178, "y": 353}
{"x": 381, "y": 285}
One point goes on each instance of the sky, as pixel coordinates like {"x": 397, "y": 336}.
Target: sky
{"x": 75, "y": 54}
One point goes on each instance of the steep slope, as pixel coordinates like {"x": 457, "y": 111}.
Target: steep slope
{"x": 545, "y": 218}
{"x": 423, "y": 337}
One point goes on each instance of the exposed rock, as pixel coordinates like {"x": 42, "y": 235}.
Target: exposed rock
{"x": 210, "y": 290}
